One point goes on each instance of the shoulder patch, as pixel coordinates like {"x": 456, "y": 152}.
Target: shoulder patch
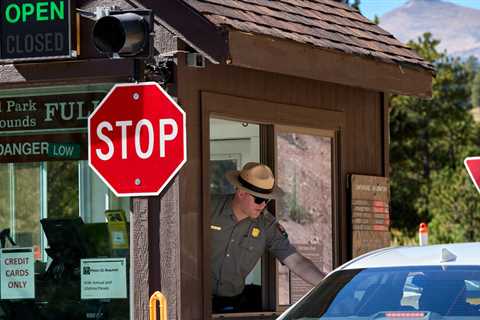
{"x": 282, "y": 230}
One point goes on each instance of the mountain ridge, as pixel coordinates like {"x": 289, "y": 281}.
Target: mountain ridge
{"x": 460, "y": 37}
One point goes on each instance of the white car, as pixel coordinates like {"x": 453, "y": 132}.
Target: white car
{"x": 428, "y": 282}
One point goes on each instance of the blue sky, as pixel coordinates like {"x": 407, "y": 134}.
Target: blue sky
{"x": 370, "y": 8}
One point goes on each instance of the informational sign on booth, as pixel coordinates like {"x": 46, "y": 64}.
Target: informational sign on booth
{"x": 117, "y": 229}
{"x": 29, "y": 126}
{"x": 103, "y": 278}
{"x": 17, "y": 273}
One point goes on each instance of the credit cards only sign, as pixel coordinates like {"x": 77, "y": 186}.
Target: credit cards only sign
{"x": 35, "y": 29}
{"x": 17, "y": 273}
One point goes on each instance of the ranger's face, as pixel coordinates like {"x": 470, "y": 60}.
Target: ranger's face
{"x": 248, "y": 205}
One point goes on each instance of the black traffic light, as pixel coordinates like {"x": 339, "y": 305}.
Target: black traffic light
{"x": 126, "y": 33}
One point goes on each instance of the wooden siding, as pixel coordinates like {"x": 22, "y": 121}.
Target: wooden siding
{"x": 362, "y": 140}
{"x": 290, "y": 58}
{"x": 65, "y": 72}
{"x": 139, "y": 266}
{"x": 169, "y": 255}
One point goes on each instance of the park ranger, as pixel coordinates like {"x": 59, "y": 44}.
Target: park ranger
{"x": 242, "y": 228}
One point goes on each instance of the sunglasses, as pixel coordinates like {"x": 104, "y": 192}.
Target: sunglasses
{"x": 259, "y": 200}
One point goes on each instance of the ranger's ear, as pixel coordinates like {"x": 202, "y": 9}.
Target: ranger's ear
{"x": 241, "y": 194}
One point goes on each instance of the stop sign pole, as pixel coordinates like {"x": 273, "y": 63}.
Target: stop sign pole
{"x": 473, "y": 167}
{"x": 137, "y": 139}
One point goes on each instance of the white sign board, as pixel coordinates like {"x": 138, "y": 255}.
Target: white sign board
{"x": 103, "y": 278}
{"x": 17, "y": 273}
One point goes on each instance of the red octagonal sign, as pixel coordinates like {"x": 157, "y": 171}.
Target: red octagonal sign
{"x": 137, "y": 139}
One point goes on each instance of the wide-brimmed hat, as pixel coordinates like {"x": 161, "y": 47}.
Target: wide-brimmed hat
{"x": 256, "y": 179}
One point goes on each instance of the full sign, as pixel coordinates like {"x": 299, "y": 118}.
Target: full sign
{"x": 34, "y": 29}
{"x": 28, "y": 126}
{"x": 473, "y": 167}
{"x": 137, "y": 139}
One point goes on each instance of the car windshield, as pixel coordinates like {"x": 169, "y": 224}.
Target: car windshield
{"x": 394, "y": 293}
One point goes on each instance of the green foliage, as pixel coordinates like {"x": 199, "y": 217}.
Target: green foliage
{"x": 295, "y": 210}
{"x": 426, "y": 46}
{"x": 429, "y": 137}
{"x": 402, "y": 239}
{"x": 218, "y": 182}
{"x": 62, "y": 181}
{"x": 27, "y": 197}
{"x": 454, "y": 205}
{"x": 354, "y": 4}
{"x": 472, "y": 66}
{"x": 476, "y": 91}
{"x": 299, "y": 214}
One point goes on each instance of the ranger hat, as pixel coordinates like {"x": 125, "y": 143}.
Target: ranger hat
{"x": 256, "y": 179}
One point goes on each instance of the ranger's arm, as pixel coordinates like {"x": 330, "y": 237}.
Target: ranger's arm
{"x": 304, "y": 268}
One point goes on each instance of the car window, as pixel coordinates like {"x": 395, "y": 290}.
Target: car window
{"x": 473, "y": 292}
{"x": 412, "y": 290}
{"x": 378, "y": 293}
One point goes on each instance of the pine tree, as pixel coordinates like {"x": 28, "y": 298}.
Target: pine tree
{"x": 352, "y": 3}
{"x": 355, "y": 4}
{"x": 455, "y": 205}
{"x": 428, "y": 137}
{"x": 476, "y": 91}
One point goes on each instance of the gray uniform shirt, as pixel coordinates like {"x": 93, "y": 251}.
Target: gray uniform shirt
{"x": 237, "y": 246}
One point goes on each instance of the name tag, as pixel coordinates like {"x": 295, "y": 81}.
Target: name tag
{"x": 215, "y": 227}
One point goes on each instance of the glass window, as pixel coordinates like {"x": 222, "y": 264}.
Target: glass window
{"x": 232, "y": 145}
{"x": 22, "y": 213}
{"x": 304, "y": 173}
{"x": 385, "y": 293}
{"x": 63, "y": 235}
{"x": 41, "y": 217}
{"x": 62, "y": 195}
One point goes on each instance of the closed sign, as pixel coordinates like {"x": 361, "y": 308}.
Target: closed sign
{"x": 35, "y": 29}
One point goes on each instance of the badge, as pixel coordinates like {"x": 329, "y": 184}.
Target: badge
{"x": 213, "y": 227}
{"x": 255, "y": 232}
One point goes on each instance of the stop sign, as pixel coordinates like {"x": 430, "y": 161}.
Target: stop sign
{"x": 473, "y": 167}
{"x": 137, "y": 139}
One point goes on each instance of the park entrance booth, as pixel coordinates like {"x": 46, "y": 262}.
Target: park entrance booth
{"x": 303, "y": 86}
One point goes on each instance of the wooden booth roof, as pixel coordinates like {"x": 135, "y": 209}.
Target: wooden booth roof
{"x": 324, "y": 24}
{"x": 318, "y": 39}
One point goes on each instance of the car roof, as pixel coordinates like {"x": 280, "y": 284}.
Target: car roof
{"x": 434, "y": 255}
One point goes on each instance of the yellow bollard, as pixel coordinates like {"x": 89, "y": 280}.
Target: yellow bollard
{"x": 158, "y": 296}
